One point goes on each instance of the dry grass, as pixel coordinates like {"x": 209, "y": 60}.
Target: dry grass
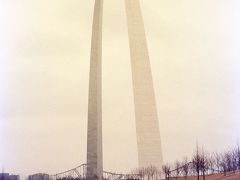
{"x": 229, "y": 176}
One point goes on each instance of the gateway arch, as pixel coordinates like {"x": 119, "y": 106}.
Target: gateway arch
{"x": 147, "y": 125}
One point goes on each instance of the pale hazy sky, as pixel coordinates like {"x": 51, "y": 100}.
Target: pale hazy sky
{"x": 194, "y": 48}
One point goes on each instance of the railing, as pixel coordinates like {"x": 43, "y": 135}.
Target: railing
{"x": 80, "y": 173}
{"x": 75, "y": 173}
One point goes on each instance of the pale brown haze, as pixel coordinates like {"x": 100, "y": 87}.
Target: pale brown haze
{"x": 190, "y": 71}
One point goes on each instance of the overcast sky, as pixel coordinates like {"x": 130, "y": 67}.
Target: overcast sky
{"x": 194, "y": 48}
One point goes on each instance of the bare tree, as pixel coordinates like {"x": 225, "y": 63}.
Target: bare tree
{"x": 185, "y": 167}
{"x": 223, "y": 164}
{"x": 211, "y": 164}
{"x": 151, "y": 172}
{"x": 159, "y": 173}
{"x": 177, "y": 168}
{"x": 154, "y": 172}
{"x": 144, "y": 172}
{"x": 139, "y": 172}
{"x": 234, "y": 156}
{"x": 167, "y": 171}
{"x": 238, "y": 156}
{"x": 228, "y": 161}
{"x": 203, "y": 163}
{"x": 196, "y": 163}
{"x": 217, "y": 161}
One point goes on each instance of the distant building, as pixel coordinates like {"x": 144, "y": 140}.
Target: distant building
{"x": 14, "y": 177}
{"x": 7, "y": 176}
{"x": 39, "y": 176}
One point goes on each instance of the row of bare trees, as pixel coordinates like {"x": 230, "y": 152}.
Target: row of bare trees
{"x": 203, "y": 163}
{"x": 148, "y": 173}
{"x": 200, "y": 164}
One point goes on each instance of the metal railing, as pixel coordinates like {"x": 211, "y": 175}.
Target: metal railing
{"x": 80, "y": 173}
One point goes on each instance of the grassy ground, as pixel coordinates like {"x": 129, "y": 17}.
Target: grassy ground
{"x": 229, "y": 176}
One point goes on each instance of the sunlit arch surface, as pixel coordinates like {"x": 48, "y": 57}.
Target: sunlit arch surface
{"x": 94, "y": 136}
{"x": 147, "y": 126}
